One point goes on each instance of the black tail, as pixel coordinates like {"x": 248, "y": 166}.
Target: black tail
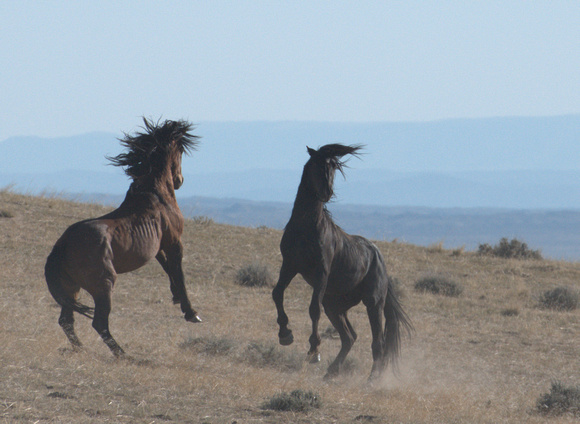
{"x": 54, "y": 277}
{"x": 396, "y": 320}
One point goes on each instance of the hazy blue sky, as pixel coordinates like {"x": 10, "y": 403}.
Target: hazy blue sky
{"x": 68, "y": 67}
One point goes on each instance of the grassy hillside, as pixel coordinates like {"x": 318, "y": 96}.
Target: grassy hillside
{"x": 485, "y": 356}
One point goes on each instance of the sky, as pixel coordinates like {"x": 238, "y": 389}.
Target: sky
{"x": 68, "y": 68}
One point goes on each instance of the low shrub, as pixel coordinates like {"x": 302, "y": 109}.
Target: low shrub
{"x": 268, "y": 355}
{"x": 458, "y": 251}
{"x": 210, "y": 345}
{"x": 204, "y": 221}
{"x": 560, "y": 298}
{"x": 254, "y": 275}
{"x": 256, "y": 354}
{"x": 438, "y": 285}
{"x": 561, "y": 400}
{"x": 436, "y": 248}
{"x": 509, "y": 249}
{"x": 296, "y": 401}
{"x": 510, "y": 312}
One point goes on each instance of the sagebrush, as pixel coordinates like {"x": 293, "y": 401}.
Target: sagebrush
{"x": 255, "y": 275}
{"x": 560, "y": 298}
{"x": 515, "y": 249}
{"x": 296, "y": 401}
{"x": 438, "y": 285}
{"x": 560, "y": 400}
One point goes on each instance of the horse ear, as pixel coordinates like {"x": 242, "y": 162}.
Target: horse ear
{"x": 310, "y": 151}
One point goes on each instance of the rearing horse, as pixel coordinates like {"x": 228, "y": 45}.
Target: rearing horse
{"x": 342, "y": 269}
{"x": 148, "y": 224}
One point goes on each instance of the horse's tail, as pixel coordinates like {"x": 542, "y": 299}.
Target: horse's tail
{"x": 54, "y": 275}
{"x": 396, "y": 320}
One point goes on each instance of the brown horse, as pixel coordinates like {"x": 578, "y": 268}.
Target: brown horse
{"x": 342, "y": 269}
{"x": 147, "y": 225}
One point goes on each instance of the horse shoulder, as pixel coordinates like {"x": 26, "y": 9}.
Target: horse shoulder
{"x": 172, "y": 224}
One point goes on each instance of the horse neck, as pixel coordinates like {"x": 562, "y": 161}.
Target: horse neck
{"x": 307, "y": 207}
{"x": 161, "y": 185}
{"x": 164, "y": 185}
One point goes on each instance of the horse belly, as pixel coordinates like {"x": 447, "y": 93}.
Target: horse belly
{"x": 340, "y": 283}
{"x": 135, "y": 250}
{"x": 348, "y": 270}
{"x": 130, "y": 262}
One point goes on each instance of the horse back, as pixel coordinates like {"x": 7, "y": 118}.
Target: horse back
{"x": 355, "y": 261}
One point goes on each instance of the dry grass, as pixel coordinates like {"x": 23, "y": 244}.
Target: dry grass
{"x": 469, "y": 361}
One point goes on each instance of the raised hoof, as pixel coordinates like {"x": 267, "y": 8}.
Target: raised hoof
{"x": 287, "y": 340}
{"x": 313, "y": 358}
{"x": 193, "y": 318}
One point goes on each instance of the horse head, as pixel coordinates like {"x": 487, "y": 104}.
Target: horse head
{"x": 322, "y": 165}
{"x": 156, "y": 150}
{"x": 178, "y": 141}
{"x": 176, "y": 172}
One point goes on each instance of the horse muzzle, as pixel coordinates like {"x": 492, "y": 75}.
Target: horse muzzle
{"x": 178, "y": 182}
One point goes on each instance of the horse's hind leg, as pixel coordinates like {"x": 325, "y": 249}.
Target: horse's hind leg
{"x": 347, "y": 334}
{"x": 375, "y": 313}
{"x": 101, "y": 321}
{"x": 66, "y": 321}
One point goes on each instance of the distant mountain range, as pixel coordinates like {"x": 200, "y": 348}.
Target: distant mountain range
{"x": 502, "y": 162}
{"x": 555, "y": 232}
{"x": 463, "y": 182}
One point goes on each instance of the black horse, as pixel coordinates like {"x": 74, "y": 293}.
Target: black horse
{"x": 341, "y": 268}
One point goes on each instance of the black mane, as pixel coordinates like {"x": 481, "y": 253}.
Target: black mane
{"x": 334, "y": 153}
{"x": 146, "y": 149}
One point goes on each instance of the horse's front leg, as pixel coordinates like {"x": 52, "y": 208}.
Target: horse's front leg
{"x": 162, "y": 259}
{"x": 174, "y": 255}
{"x": 286, "y": 275}
{"x": 314, "y": 310}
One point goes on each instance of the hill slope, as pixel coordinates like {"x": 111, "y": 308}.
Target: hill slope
{"x": 469, "y": 361}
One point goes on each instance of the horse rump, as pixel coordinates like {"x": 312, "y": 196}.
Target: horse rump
{"x": 55, "y": 276}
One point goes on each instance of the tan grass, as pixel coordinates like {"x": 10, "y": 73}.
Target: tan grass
{"x": 468, "y": 362}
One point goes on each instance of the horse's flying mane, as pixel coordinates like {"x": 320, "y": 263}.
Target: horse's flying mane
{"x": 334, "y": 153}
{"x": 145, "y": 148}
